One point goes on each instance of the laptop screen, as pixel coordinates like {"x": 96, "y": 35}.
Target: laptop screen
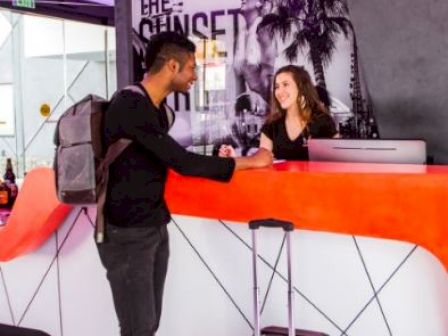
{"x": 368, "y": 150}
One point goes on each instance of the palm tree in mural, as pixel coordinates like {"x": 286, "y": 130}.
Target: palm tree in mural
{"x": 314, "y": 26}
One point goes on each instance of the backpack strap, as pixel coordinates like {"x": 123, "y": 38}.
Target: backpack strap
{"x": 168, "y": 110}
{"x": 113, "y": 151}
{"x": 170, "y": 116}
{"x": 135, "y": 88}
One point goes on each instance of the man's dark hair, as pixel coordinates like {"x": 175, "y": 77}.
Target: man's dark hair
{"x": 165, "y": 46}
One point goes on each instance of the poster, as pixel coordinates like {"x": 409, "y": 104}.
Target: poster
{"x": 240, "y": 45}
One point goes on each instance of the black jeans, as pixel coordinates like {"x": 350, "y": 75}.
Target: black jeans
{"x": 136, "y": 261}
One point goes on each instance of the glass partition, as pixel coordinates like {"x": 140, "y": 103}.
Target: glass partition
{"x": 46, "y": 65}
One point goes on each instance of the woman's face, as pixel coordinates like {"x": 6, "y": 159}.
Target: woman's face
{"x": 285, "y": 90}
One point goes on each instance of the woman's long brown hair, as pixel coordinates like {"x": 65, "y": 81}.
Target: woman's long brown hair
{"x": 312, "y": 103}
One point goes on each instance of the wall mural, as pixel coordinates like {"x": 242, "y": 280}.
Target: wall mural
{"x": 240, "y": 44}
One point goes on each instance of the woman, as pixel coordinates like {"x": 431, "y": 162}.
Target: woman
{"x": 297, "y": 114}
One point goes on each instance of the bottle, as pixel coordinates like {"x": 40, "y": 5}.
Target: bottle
{"x": 4, "y": 195}
{"x": 9, "y": 172}
{"x": 10, "y": 183}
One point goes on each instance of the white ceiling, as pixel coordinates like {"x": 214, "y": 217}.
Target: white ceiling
{"x": 104, "y": 2}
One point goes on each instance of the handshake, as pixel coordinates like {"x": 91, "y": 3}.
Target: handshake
{"x": 226, "y": 151}
{"x": 262, "y": 158}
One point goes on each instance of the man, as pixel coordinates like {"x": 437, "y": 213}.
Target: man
{"x": 135, "y": 254}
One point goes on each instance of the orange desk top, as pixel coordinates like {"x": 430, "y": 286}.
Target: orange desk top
{"x": 403, "y": 202}
{"x": 35, "y": 215}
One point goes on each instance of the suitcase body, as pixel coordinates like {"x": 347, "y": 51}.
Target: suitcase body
{"x": 275, "y": 330}
{"x": 7, "y": 330}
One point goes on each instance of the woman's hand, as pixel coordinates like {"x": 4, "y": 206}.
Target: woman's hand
{"x": 226, "y": 151}
{"x": 262, "y": 158}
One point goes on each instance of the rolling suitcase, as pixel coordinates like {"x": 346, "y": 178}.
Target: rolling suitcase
{"x": 274, "y": 330}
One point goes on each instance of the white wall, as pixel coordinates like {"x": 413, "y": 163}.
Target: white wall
{"x": 73, "y": 38}
{"x": 328, "y": 271}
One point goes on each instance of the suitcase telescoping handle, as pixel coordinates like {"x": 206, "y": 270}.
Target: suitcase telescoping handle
{"x": 271, "y": 223}
{"x": 287, "y": 227}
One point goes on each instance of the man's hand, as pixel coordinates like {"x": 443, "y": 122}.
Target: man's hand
{"x": 226, "y": 151}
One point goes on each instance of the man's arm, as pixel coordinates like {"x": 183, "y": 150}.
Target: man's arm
{"x": 144, "y": 129}
{"x": 262, "y": 158}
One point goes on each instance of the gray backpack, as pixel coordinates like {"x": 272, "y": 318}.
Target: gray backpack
{"x": 81, "y": 161}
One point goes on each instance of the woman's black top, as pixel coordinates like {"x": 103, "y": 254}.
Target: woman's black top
{"x": 320, "y": 126}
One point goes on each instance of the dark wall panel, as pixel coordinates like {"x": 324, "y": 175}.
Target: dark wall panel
{"x": 403, "y": 47}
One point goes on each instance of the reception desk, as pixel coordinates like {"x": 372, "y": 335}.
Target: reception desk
{"x": 402, "y": 202}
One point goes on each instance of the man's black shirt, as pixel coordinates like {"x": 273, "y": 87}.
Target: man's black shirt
{"x": 135, "y": 192}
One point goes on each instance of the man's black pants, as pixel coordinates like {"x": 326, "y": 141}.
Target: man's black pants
{"x": 136, "y": 261}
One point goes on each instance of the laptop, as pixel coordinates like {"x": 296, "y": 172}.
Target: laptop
{"x": 367, "y": 150}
